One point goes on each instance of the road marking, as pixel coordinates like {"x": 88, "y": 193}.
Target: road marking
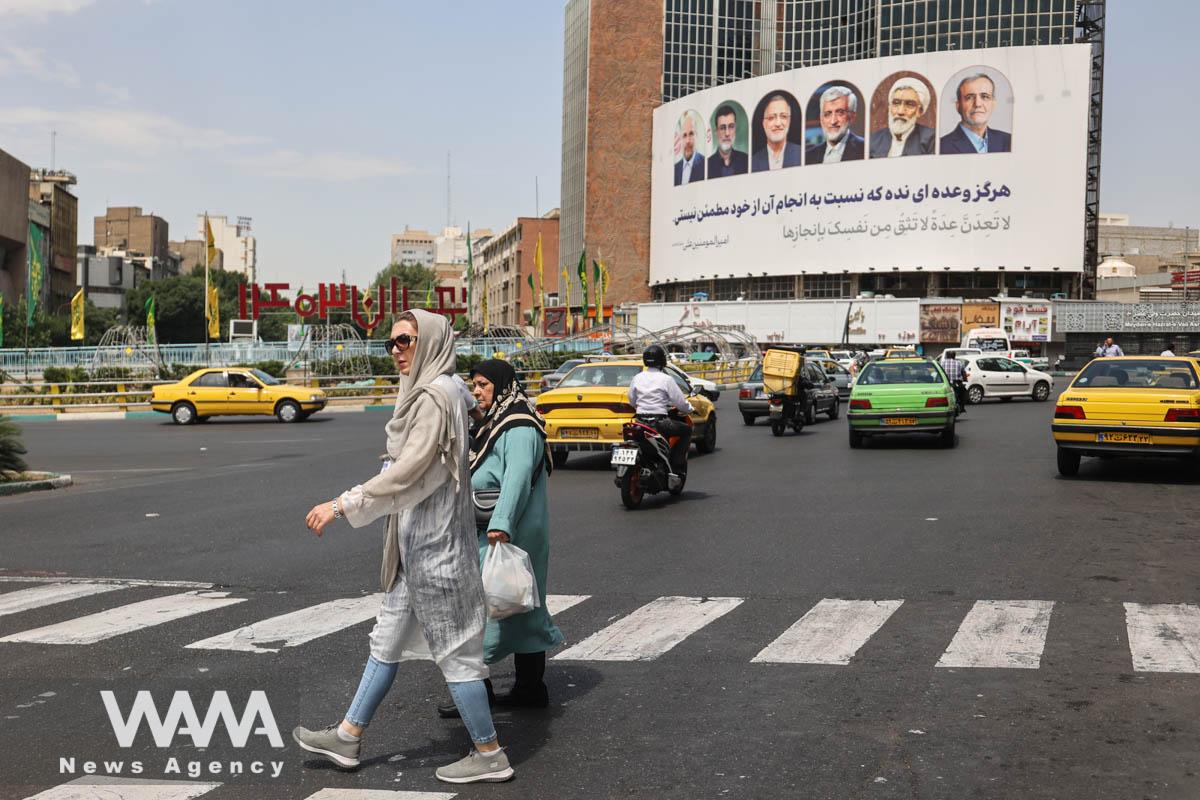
{"x": 49, "y": 594}
{"x": 1164, "y": 638}
{"x": 298, "y": 627}
{"x": 1008, "y": 634}
{"x": 377, "y": 794}
{"x": 117, "y": 581}
{"x": 558, "y": 603}
{"x": 126, "y": 619}
{"x": 651, "y": 630}
{"x": 104, "y": 788}
{"x": 832, "y": 632}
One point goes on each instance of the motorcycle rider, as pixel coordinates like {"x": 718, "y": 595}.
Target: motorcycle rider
{"x": 653, "y": 393}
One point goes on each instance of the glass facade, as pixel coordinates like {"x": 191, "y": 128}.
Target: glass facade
{"x": 707, "y": 43}
{"x": 921, "y": 26}
{"x": 574, "y": 139}
{"x": 826, "y": 31}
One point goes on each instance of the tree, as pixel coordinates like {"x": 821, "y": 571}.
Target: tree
{"x": 414, "y": 277}
{"x": 179, "y": 304}
{"x": 11, "y": 448}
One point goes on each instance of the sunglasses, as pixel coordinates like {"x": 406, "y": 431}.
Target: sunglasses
{"x": 401, "y": 343}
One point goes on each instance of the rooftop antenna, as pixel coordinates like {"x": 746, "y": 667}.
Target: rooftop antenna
{"x": 53, "y": 136}
{"x": 448, "y": 215}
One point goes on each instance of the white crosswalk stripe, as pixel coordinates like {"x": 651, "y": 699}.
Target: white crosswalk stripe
{"x": 298, "y": 627}
{"x": 831, "y": 633}
{"x": 49, "y": 594}
{"x": 377, "y": 794}
{"x": 104, "y": 788}
{"x": 1007, "y": 634}
{"x": 651, "y": 630}
{"x": 126, "y": 619}
{"x": 558, "y": 603}
{"x": 1164, "y": 638}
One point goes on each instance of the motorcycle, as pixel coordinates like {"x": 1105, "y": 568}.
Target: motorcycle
{"x": 642, "y": 461}
{"x": 784, "y": 410}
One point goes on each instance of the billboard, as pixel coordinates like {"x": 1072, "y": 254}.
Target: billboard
{"x": 960, "y": 160}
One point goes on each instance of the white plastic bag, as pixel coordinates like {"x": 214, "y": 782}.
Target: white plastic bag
{"x": 508, "y": 581}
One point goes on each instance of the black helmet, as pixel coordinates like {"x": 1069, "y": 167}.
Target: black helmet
{"x": 655, "y": 356}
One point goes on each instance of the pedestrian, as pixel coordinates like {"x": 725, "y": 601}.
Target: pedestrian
{"x": 1168, "y": 353}
{"x": 509, "y": 455}
{"x": 955, "y": 374}
{"x": 1108, "y": 349}
{"x": 433, "y": 607}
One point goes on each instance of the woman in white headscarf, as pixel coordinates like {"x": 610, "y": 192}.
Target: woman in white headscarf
{"x": 434, "y": 602}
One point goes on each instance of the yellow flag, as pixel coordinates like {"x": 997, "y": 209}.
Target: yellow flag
{"x": 214, "y": 313}
{"x": 210, "y": 244}
{"x": 564, "y": 292}
{"x": 537, "y": 262}
{"x": 77, "y": 317}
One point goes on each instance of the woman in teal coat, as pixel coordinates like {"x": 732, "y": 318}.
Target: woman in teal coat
{"x": 509, "y": 453}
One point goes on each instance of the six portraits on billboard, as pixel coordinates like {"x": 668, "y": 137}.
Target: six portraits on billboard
{"x": 837, "y": 125}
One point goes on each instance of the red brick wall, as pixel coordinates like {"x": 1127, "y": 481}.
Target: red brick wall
{"x": 530, "y": 227}
{"x": 624, "y": 88}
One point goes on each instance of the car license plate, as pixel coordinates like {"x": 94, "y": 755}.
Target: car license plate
{"x": 761, "y": 395}
{"x": 899, "y": 420}
{"x": 579, "y": 433}
{"x": 1118, "y": 437}
{"x": 624, "y": 456}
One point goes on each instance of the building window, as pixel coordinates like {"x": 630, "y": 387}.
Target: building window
{"x": 816, "y": 286}
{"x": 778, "y": 287}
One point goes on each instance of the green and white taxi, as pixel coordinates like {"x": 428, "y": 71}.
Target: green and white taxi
{"x": 901, "y": 395}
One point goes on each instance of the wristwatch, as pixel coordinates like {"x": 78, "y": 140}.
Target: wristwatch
{"x": 337, "y": 512}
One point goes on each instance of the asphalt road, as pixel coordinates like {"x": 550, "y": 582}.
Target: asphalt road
{"x": 783, "y": 525}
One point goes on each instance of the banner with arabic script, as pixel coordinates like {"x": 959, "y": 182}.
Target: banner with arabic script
{"x": 958, "y": 160}
{"x": 940, "y": 322}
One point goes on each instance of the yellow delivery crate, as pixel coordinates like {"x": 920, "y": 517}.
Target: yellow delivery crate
{"x": 780, "y": 370}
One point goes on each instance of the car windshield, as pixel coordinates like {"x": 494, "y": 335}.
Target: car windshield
{"x": 567, "y": 366}
{"x": 269, "y": 380}
{"x": 1142, "y": 373}
{"x": 878, "y": 373}
{"x": 601, "y": 375}
{"x": 840, "y": 355}
{"x": 991, "y": 345}
{"x": 756, "y": 376}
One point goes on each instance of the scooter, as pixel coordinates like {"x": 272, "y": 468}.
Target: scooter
{"x": 642, "y": 461}
{"x": 784, "y": 410}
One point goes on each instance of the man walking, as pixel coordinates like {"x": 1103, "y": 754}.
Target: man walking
{"x": 1109, "y": 349}
{"x": 954, "y": 372}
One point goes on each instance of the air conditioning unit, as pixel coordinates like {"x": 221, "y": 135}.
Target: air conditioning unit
{"x": 243, "y": 329}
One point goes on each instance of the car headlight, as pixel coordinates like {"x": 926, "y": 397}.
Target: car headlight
{"x": 312, "y": 398}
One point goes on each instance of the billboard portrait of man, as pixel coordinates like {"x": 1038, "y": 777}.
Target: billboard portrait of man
{"x": 729, "y": 156}
{"x": 834, "y": 129}
{"x": 983, "y": 99}
{"x": 689, "y": 163}
{"x": 907, "y": 116}
{"x": 776, "y": 141}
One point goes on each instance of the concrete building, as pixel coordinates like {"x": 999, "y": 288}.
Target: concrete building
{"x": 191, "y": 255}
{"x": 414, "y": 246}
{"x": 50, "y": 189}
{"x": 127, "y": 229}
{"x": 14, "y": 227}
{"x": 450, "y": 246}
{"x": 238, "y": 246}
{"x": 1119, "y": 238}
{"x": 622, "y": 58}
{"x": 107, "y": 277}
{"x": 503, "y": 264}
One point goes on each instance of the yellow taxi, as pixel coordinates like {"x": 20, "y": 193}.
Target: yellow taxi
{"x": 588, "y": 407}
{"x": 1129, "y": 406}
{"x": 218, "y": 391}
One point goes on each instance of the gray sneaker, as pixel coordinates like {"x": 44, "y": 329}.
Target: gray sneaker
{"x": 325, "y": 742}
{"x": 491, "y": 767}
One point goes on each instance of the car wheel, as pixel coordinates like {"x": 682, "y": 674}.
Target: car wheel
{"x": 1068, "y": 463}
{"x": 947, "y": 437}
{"x": 287, "y": 411}
{"x": 1041, "y": 391}
{"x": 748, "y": 419}
{"x": 856, "y": 439}
{"x": 975, "y": 395}
{"x": 833, "y": 412}
{"x": 631, "y": 488}
{"x": 810, "y": 414}
{"x": 183, "y": 413}
{"x": 777, "y": 427}
{"x": 559, "y": 457}
{"x": 708, "y": 442}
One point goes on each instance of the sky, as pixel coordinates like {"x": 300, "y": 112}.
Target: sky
{"x": 330, "y": 124}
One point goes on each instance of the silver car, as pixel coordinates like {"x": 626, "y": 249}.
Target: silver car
{"x": 841, "y": 375}
{"x": 752, "y": 398}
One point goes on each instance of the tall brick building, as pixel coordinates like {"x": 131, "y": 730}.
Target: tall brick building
{"x": 504, "y": 262}
{"x": 623, "y": 58}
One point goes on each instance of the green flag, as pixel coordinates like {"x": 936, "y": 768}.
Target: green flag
{"x": 583, "y": 282}
{"x": 429, "y": 295}
{"x": 151, "y": 334}
{"x": 598, "y": 290}
{"x": 1, "y": 320}
{"x": 34, "y": 286}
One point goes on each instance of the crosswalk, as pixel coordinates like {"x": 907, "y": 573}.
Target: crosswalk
{"x": 992, "y": 634}
{"x": 105, "y": 788}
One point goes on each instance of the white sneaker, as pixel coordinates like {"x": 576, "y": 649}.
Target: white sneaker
{"x": 674, "y": 481}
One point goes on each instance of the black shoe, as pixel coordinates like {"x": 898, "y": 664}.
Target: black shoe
{"x": 450, "y": 711}
{"x": 524, "y": 697}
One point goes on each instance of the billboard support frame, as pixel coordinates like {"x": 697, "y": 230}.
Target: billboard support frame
{"x": 1089, "y": 19}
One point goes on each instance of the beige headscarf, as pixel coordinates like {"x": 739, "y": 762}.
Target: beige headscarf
{"x": 418, "y": 395}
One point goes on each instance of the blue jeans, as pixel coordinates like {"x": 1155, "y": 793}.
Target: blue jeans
{"x": 470, "y": 697}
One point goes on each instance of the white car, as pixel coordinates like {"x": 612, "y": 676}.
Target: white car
{"x": 996, "y": 376}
